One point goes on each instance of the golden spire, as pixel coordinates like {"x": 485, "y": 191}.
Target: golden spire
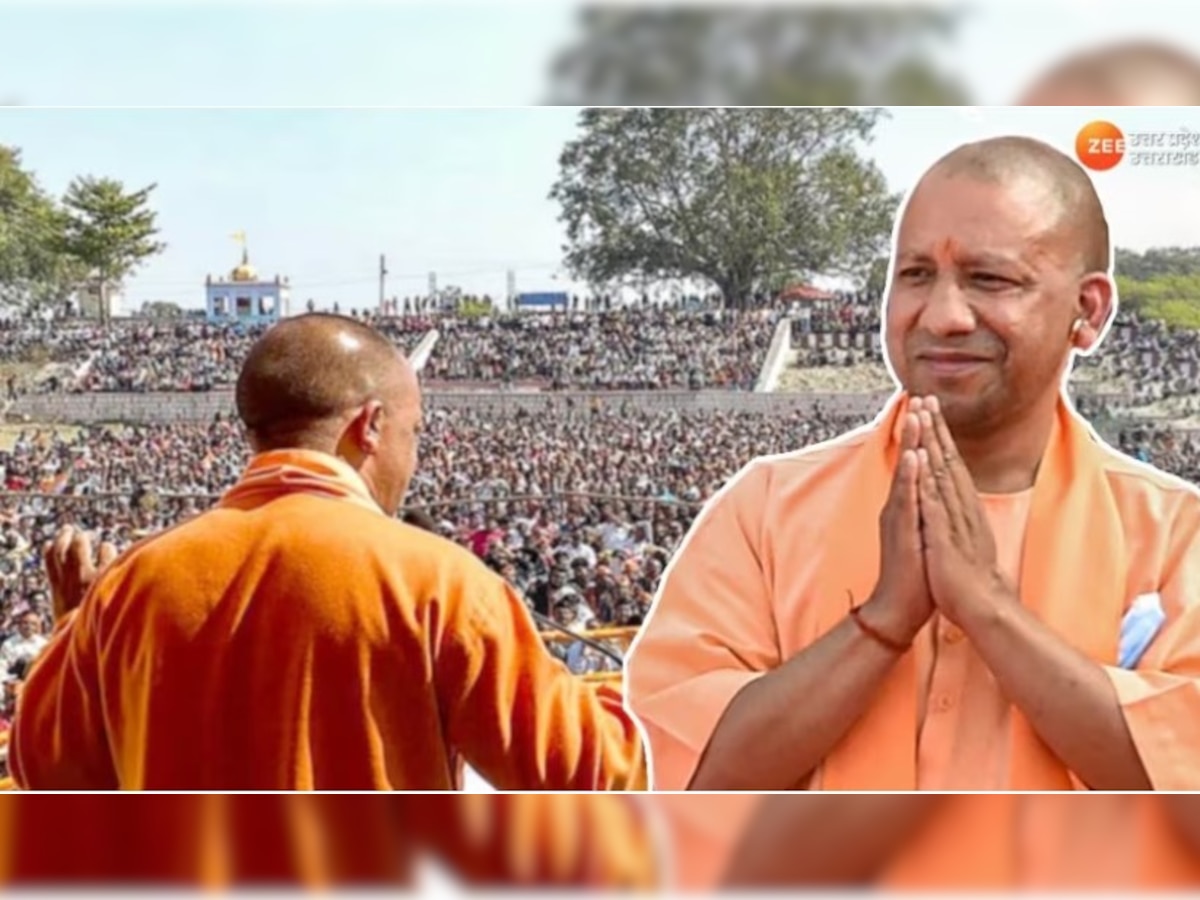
{"x": 244, "y": 272}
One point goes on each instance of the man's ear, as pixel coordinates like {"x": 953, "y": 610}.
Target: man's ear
{"x": 366, "y": 428}
{"x": 1095, "y": 302}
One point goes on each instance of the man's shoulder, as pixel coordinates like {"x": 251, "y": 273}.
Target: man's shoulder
{"x": 814, "y": 462}
{"x": 1131, "y": 474}
{"x": 809, "y": 477}
{"x": 354, "y": 531}
{"x": 1147, "y": 490}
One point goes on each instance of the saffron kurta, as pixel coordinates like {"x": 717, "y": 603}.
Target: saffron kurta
{"x": 296, "y": 638}
{"x": 766, "y": 569}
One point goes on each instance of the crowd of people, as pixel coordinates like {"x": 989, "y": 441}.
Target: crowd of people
{"x": 144, "y": 355}
{"x": 580, "y": 509}
{"x": 638, "y": 348}
{"x": 641, "y": 348}
{"x": 1137, "y": 346}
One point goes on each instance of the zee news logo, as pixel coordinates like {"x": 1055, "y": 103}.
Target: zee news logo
{"x": 1102, "y": 145}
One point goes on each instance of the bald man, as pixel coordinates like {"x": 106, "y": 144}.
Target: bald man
{"x": 298, "y": 636}
{"x": 973, "y": 592}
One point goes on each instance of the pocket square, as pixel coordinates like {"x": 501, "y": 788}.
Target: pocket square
{"x": 1140, "y": 627}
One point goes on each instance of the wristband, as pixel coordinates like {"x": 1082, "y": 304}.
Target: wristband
{"x": 873, "y": 634}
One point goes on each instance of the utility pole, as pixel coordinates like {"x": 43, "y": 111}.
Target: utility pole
{"x": 382, "y": 281}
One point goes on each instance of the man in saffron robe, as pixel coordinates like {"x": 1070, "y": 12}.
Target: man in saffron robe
{"x": 297, "y": 636}
{"x": 942, "y": 600}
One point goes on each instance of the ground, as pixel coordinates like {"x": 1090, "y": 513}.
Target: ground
{"x": 9, "y": 431}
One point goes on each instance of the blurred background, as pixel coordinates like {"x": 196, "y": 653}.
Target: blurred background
{"x": 489, "y": 54}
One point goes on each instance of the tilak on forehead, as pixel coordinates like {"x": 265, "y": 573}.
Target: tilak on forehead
{"x": 947, "y": 251}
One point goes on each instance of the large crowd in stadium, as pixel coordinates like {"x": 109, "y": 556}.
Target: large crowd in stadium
{"x": 579, "y": 504}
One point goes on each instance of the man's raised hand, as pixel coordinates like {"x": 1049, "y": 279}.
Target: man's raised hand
{"x": 72, "y": 567}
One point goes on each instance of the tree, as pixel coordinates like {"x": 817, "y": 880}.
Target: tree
{"x": 1173, "y": 298}
{"x": 783, "y": 56}
{"x": 34, "y": 271}
{"x": 875, "y": 281}
{"x": 162, "y": 309}
{"x": 1157, "y": 261}
{"x": 743, "y": 198}
{"x": 110, "y": 231}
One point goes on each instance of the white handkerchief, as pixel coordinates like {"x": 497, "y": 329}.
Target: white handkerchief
{"x": 1139, "y": 628}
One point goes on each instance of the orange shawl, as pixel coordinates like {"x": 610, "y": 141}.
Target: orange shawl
{"x": 1073, "y": 578}
{"x": 279, "y": 472}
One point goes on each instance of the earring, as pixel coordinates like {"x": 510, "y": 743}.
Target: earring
{"x": 1079, "y": 323}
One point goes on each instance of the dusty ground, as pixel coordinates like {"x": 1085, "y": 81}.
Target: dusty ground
{"x": 835, "y": 379}
{"x": 10, "y": 431}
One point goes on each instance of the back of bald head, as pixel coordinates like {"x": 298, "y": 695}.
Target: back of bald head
{"x": 1013, "y": 159}
{"x": 306, "y": 374}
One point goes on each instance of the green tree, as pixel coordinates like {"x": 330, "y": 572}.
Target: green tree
{"x": 1157, "y": 261}
{"x": 34, "y": 270}
{"x": 110, "y": 231}
{"x": 738, "y": 197}
{"x": 732, "y": 56}
{"x": 162, "y": 309}
{"x": 875, "y": 281}
{"x": 1173, "y": 298}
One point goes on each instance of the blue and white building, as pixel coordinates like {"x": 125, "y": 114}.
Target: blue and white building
{"x": 242, "y": 297}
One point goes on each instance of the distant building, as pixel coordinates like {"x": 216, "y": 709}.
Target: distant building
{"x": 245, "y": 298}
{"x": 87, "y": 301}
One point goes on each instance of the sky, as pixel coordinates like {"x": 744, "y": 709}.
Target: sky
{"x": 438, "y": 52}
{"x": 322, "y": 193}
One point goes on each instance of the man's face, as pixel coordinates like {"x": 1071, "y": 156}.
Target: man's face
{"x": 399, "y": 433}
{"x": 28, "y": 626}
{"x": 982, "y": 298}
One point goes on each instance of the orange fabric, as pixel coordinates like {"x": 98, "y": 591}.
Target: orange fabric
{"x": 1073, "y": 841}
{"x": 959, "y": 712}
{"x": 701, "y": 834}
{"x": 766, "y": 569}
{"x": 297, "y": 638}
{"x": 324, "y": 840}
{"x": 997, "y": 842}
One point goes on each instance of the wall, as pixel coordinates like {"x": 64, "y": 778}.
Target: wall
{"x": 201, "y": 407}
